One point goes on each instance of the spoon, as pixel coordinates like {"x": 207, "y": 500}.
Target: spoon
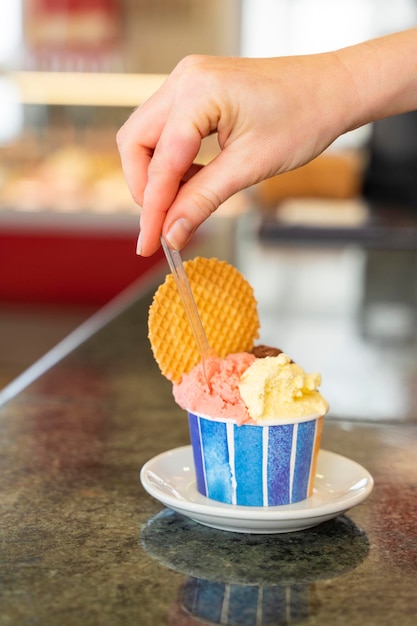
{"x": 177, "y": 268}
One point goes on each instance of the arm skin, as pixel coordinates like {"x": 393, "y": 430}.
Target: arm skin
{"x": 270, "y": 115}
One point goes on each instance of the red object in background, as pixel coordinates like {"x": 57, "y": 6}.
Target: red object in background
{"x": 75, "y": 268}
{"x": 66, "y": 25}
{"x": 72, "y": 6}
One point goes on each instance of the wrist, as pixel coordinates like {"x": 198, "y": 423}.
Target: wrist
{"x": 382, "y": 74}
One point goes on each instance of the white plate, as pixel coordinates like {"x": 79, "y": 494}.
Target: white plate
{"x": 340, "y": 485}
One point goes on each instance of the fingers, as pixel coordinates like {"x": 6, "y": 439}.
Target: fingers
{"x": 171, "y": 166}
{"x": 137, "y": 138}
{"x": 158, "y": 145}
{"x": 195, "y": 201}
{"x": 160, "y": 142}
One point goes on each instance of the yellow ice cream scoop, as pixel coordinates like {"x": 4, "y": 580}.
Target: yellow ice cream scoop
{"x": 275, "y": 389}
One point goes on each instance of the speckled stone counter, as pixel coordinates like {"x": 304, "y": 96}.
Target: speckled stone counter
{"x": 83, "y": 543}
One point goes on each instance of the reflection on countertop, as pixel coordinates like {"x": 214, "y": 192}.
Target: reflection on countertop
{"x": 249, "y": 579}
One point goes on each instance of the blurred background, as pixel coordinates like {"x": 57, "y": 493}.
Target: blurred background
{"x": 330, "y": 248}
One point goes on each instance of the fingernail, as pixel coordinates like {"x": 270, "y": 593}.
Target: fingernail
{"x": 139, "y": 244}
{"x": 179, "y": 233}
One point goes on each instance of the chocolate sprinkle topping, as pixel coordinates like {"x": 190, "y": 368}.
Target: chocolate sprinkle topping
{"x": 262, "y": 351}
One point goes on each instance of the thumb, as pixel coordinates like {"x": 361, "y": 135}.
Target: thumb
{"x": 202, "y": 194}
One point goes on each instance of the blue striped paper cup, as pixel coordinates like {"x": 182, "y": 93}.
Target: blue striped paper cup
{"x": 254, "y": 465}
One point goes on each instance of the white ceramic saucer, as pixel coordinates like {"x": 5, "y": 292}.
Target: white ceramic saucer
{"x": 340, "y": 485}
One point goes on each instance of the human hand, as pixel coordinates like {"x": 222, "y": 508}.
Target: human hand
{"x": 270, "y": 115}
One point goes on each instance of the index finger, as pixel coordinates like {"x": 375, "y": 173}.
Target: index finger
{"x": 137, "y": 138}
{"x": 171, "y": 164}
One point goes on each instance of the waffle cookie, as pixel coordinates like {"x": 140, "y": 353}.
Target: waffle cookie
{"x": 228, "y": 311}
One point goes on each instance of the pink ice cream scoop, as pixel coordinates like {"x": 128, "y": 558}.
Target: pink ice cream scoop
{"x": 221, "y": 397}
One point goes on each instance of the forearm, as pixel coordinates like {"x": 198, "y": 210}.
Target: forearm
{"x": 383, "y": 74}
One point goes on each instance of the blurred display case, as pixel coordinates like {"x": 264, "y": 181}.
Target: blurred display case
{"x": 77, "y": 71}
{"x": 71, "y": 73}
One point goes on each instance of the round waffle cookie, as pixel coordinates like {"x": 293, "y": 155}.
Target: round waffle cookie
{"x": 227, "y": 308}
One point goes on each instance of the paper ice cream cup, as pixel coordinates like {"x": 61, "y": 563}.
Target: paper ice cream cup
{"x": 254, "y": 465}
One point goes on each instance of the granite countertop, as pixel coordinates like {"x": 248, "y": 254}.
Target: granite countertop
{"x": 83, "y": 543}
